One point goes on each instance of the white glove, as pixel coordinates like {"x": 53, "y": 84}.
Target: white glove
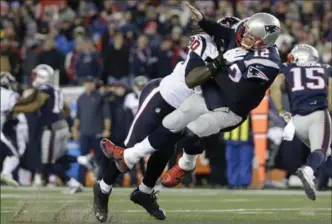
{"x": 289, "y": 131}
{"x": 234, "y": 55}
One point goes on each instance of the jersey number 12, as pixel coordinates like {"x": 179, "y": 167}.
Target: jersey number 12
{"x": 313, "y": 77}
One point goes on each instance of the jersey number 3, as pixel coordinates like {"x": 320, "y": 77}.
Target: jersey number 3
{"x": 313, "y": 78}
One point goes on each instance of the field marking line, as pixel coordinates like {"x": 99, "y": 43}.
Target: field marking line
{"x": 238, "y": 210}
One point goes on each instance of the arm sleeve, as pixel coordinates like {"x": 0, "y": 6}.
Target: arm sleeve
{"x": 194, "y": 61}
{"x": 214, "y": 29}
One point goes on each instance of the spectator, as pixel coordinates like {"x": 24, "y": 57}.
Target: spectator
{"x": 164, "y": 60}
{"x": 139, "y": 61}
{"x": 9, "y": 58}
{"x": 121, "y": 116}
{"x": 116, "y": 59}
{"x": 154, "y": 38}
{"x": 53, "y": 57}
{"x": 91, "y": 124}
{"x": 83, "y": 62}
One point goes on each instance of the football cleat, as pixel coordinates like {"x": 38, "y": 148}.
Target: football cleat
{"x": 110, "y": 150}
{"x": 9, "y": 180}
{"x": 148, "y": 202}
{"x": 174, "y": 176}
{"x": 307, "y": 179}
{"x": 100, "y": 203}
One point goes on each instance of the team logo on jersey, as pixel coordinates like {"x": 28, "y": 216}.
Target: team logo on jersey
{"x": 271, "y": 28}
{"x": 256, "y": 73}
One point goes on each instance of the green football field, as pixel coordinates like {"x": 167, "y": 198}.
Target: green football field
{"x": 27, "y": 205}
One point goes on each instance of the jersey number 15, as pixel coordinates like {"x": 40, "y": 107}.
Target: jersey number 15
{"x": 313, "y": 78}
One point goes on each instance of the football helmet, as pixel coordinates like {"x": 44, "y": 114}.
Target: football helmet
{"x": 303, "y": 53}
{"x": 139, "y": 83}
{"x": 261, "y": 30}
{"x": 228, "y": 21}
{"x": 41, "y": 75}
{"x": 8, "y": 81}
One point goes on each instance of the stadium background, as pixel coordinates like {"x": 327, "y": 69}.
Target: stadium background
{"x": 151, "y": 37}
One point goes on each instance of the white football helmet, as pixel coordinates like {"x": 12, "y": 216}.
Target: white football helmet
{"x": 8, "y": 81}
{"x": 259, "y": 31}
{"x": 43, "y": 74}
{"x": 303, "y": 53}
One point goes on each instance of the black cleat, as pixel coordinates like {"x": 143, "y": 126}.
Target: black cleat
{"x": 149, "y": 202}
{"x": 100, "y": 203}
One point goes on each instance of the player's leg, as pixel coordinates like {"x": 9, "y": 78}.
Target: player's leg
{"x": 318, "y": 130}
{"x": 205, "y": 125}
{"x": 164, "y": 137}
{"x": 149, "y": 116}
{"x": 10, "y": 162}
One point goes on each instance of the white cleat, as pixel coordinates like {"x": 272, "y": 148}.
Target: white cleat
{"x": 306, "y": 175}
{"x": 9, "y": 180}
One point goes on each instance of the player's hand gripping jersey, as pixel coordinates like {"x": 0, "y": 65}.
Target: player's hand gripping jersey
{"x": 173, "y": 88}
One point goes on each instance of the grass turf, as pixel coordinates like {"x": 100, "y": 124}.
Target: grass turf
{"x": 27, "y": 205}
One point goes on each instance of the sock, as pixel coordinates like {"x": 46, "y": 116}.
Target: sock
{"x": 9, "y": 165}
{"x": 105, "y": 188}
{"x": 134, "y": 154}
{"x": 156, "y": 165}
{"x": 111, "y": 173}
{"x": 73, "y": 183}
{"x": 316, "y": 159}
{"x": 83, "y": 160}
{"x": 145, "y": 189}
{"x": 187, "y": 162}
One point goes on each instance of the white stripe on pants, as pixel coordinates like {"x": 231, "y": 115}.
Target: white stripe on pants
{"x": 140, "y": 111}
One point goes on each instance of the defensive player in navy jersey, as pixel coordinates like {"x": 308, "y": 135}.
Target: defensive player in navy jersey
{"x": 252, "y": 64}
{"x": 49, "y": 101}
{"x": 307, "y": 82}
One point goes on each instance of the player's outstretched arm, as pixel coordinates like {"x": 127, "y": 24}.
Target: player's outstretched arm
{"x": 276, "y": 92}
{"x": 32, "y": 106}
{"x": 29, "y": 99}
{"x": 209, "y": 26}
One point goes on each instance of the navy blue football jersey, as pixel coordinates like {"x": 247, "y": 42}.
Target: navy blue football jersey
{"x": 248, "y": 78}
{"x": 306, "y": 86}
{"x": 52, "y": 110}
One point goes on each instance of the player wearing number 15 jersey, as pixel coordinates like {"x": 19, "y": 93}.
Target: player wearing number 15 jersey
{"x": 308, "y": 86}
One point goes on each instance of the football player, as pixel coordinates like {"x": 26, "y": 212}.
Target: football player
{"x": 158, "y": 99}
{"x": 252, "y": 64}
{"x": 307, "y": 82}
{"x": 9, "y": 97}
{"x": 49, "y": 100}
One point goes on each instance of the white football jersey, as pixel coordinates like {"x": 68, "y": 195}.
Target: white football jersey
{"x": 173, "y": 87}
{"x": 8, "y": 101}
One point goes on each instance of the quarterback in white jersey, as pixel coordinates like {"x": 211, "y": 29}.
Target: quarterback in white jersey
{"x": 158, "y": 99}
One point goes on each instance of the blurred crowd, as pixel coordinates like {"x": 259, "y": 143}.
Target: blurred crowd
{"x": 123, "y": 39}
{"x": 116, "y": 41}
